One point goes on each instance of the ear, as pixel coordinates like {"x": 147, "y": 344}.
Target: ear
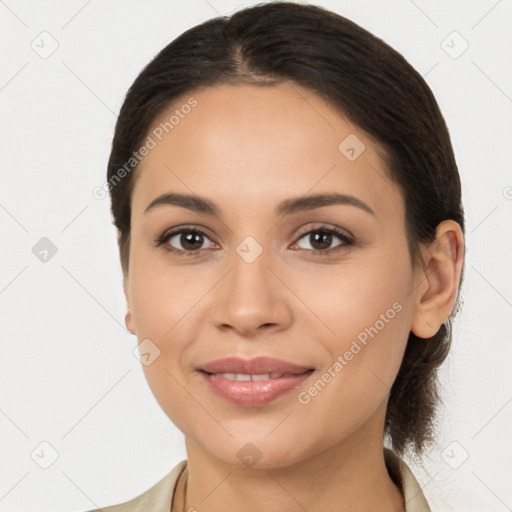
{"x": 437, "y": 283}
{"x": 128, "y": 319}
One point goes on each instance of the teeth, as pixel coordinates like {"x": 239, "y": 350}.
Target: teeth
{"x": 243, "y": 376}
{"x": 263, "y": 376}
{"x": 247, "y": 377}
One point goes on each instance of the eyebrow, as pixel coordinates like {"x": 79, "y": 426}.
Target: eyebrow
{"x": 287, "y": 207}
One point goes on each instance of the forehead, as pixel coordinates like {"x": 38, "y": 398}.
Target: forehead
{"x": 264, "y": 143}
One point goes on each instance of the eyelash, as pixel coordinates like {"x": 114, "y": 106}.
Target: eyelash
{"x": 160, "y": 240}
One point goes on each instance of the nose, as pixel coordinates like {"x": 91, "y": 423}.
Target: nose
{"x": 252, "y": 298}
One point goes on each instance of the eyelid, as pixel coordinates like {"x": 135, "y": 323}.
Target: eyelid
{"x": 318, "y": 226}
{"x": 344, "y": 235}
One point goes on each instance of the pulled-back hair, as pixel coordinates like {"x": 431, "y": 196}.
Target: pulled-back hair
{"x": 364, "y": 79}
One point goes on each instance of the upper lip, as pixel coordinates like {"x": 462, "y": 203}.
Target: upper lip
{"x": 256, "y": 366}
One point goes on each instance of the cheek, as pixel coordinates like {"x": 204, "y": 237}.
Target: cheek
{"x": 163, "y": 306}
{"x": 352, "y": 295}
{"x": 364, "y": 357}
{"x": 162, "y": 298}
{"x": 365, "y": 313}
{"x": 168, "y": 306}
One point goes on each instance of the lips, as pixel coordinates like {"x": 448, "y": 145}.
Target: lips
{"x": 258, "y": 366}
{"x": 253, "y": 382}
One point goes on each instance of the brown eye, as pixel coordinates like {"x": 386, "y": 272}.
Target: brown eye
{"x": 190, "y": 240}
{"x": 185, "y": 241}
{"x": 321, "y": 239}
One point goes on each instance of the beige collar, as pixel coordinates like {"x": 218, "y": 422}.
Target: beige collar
{"x": 159, "y": 497}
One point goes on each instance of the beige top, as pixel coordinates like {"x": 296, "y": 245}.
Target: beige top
{"x": 159, "y": 497}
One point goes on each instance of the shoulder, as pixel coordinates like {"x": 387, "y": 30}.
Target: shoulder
{"x": 402, "y": 475}
{"x": 157, "y": 498}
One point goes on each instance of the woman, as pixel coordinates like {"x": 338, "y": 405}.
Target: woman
{"x": 291, "y": 234}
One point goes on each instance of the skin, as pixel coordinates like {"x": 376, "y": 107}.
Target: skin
{"x": 247, "y": 148}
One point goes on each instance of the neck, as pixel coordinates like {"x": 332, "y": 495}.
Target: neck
{"x": 349, "y": 476}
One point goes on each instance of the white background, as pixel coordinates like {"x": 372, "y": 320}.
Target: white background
{"x": 68, "y": 376}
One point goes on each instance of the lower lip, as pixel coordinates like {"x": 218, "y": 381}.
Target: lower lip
{"x": 255, "y": 392}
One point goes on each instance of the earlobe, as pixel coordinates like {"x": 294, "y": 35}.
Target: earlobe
{"x": 437, "y": 290}
{"x": 128, "y": 318}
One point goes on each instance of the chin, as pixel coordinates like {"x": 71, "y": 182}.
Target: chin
{"x": 258, "y": 454}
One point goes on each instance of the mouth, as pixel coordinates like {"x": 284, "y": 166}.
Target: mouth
{"x": 254, "y": 382}
{"x": 245, "y": 377}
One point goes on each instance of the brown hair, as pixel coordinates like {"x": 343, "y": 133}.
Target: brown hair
{"x": 370, "y": 83}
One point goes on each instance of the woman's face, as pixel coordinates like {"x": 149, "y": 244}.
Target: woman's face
{"x": 257, "y": 282}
